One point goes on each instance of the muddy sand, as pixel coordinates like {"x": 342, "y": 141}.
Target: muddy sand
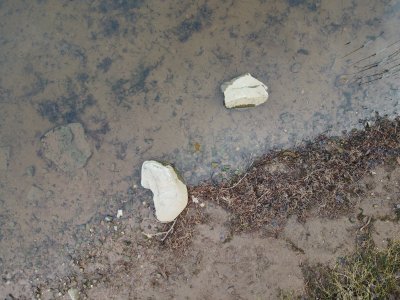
{"x": 224, "y": 247}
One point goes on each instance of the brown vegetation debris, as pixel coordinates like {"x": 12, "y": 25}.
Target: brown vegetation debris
{"x": 320, "y": 175}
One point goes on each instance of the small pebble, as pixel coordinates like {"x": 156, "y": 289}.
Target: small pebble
{"x": 231, "y": 290}
{"x": 108, "y": 218}
{"x": 73, "y": 294}
{"x": 30, "y": 171}
{"x": 295, "y": 68}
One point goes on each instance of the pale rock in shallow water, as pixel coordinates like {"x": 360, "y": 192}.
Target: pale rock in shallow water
{"x": 67, "y": 147}
{"x": 170, "y": 194}
{"x": 244, "y": 91}
{"x": 4, "y": 158}
{"x": 35, "y": 194}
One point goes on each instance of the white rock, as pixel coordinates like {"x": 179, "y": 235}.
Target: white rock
{"x": 73, "y": 294}
{"x": 170, "y": 194}
{"x": 119, "y": 213}
{"x": 244, "y": 91}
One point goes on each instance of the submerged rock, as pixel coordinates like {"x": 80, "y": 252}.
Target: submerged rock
{"x": 36, "y": 195}
{"x": 170, "y": 194}
{"x": 4, "y": 158}
{"x": 67, "y": 147}
{"x": 30, "y": 171}
{"x": 244, "y": 91}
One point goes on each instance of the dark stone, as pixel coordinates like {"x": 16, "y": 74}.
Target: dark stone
{"x": 303, "y": 51}
{"x": 110, "y": 27}
{"x": 295, "y": 2}
{"x": 105, "y": 64}
{"x": 122, "y": 5}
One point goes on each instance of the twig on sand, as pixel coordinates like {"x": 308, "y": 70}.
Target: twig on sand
{"x": 366, "y": 224}
{"x": 169, "y": 231}
{"x": 231, "y": 187}
{"x": 165, "y": 233}
{"x": 240, "y": 180}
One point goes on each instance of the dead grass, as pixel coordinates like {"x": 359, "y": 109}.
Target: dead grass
{"x": 321, "y": 176}
{"x": 184, "y": 228}
{"x": 367, "y": 274}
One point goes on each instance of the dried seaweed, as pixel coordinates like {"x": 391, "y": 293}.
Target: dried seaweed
{"x": 184, "y": 228}
{"x": 320, "y": 176}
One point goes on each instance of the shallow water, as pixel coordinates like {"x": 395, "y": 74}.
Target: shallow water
{"x": 143, "y": 78}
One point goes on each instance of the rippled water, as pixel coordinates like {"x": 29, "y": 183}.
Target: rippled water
{"x": 143, "y": 77}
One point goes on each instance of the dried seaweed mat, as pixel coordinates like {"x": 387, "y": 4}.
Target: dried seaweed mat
{"x": 320, "y": 176}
